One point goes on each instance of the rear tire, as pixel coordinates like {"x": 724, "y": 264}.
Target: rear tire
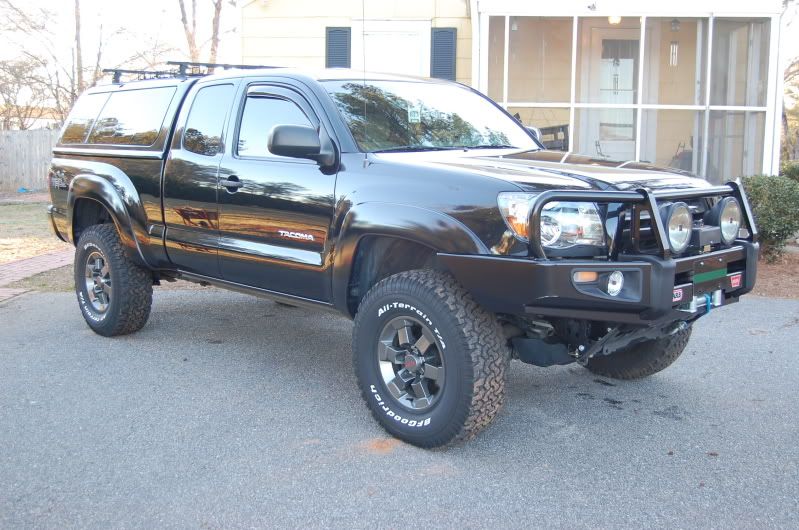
{"x": 429, "y": 360}
{"x": 642, "y": 359}
{"x": 114, "y": 293}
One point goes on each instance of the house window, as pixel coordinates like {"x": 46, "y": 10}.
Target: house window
{"x": 443, "y": 44}
{"x": 338, "y": 48}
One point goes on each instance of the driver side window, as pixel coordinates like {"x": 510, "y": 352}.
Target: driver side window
{"x": 260, "y": 115}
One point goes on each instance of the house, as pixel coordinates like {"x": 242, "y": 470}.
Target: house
{"x": 691, "y": 84}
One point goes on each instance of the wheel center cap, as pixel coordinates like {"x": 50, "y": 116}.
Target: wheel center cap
{"x": 412, "y": 363}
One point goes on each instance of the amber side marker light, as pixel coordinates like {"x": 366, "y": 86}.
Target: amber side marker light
{"x": 585, "y": 276}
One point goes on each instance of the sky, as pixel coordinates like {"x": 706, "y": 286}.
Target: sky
{"x": 128, "y": 26}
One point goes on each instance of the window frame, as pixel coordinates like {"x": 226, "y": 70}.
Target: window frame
{"x": 160, "y": 131}
{"x": 223, "y": 133}
{"x": 266, "y": 90}
{"x": 480, "y": 62}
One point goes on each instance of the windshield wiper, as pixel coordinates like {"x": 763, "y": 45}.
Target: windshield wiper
{"x": 409, "y": 148}
{"x": 487, "y": 146}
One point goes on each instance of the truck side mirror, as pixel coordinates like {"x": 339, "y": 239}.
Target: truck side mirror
{"x": 535, "y": 131}
{"x": 295, "y": 141}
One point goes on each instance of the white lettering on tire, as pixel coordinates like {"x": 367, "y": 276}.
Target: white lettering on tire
{"x": 421, "y": 314}
{"x": 391, "y": 414}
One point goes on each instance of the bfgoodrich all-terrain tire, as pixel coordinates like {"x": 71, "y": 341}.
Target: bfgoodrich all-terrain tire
{"x": 114, "y": 293}
{"x": 430, "y": 362}
{"x": 643, "y": 359}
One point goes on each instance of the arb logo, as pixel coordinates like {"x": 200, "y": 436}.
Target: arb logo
{"x": 676, "y": 295}
{"x": 735, "y": 280}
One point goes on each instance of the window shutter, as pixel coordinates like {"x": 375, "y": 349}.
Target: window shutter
{"x": 442, "y": 53}
{"x": 337, "y": 43}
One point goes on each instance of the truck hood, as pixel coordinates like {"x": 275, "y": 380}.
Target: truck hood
{"x": 543, "y": 170}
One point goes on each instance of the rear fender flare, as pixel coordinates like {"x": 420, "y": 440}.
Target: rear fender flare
{"x": 118, "y": 195}
{"x": 435, "y": 230}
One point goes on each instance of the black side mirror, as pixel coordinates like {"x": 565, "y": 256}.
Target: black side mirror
{"x": 295, "y": 141}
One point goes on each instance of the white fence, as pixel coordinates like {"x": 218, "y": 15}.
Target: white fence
{"x": 24, "y": 158}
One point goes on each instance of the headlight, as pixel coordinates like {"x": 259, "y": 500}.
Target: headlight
{"x": 726, "y": 214}
{"x": 679, "y": 224}
{"x": 563, "y": 224}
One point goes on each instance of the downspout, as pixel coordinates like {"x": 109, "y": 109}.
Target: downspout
{"x": 475, "y": 15}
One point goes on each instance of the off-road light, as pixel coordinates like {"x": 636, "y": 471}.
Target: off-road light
{"x": 679, "y": 224}
{"x": 726, "y": 214}
{"x": 615, "y": 283}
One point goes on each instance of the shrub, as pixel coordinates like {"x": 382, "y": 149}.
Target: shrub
{"x": 775, "y": 203}
{"x": 791, "y": 170}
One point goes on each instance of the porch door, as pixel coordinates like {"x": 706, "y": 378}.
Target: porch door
{"x": 613, "y": 69}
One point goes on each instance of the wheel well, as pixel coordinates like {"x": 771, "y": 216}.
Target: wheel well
{"x": 379, "y": 257}
{"x": 88, "y": 212}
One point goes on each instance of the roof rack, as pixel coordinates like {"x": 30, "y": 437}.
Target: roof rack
{"x": 184, "y": 69}
{"x": 192, "y": 68}
{"x": 140, "y": 74}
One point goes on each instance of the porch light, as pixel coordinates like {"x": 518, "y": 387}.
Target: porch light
{"x": 614, "y": 20}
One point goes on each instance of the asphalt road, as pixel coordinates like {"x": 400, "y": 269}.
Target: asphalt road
{"x": 229, "y": 411}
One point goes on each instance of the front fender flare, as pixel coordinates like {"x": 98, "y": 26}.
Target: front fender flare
{"x": 432, "y": 229}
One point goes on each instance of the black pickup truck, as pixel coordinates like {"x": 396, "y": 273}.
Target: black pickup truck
{"x": 418, "y": 208}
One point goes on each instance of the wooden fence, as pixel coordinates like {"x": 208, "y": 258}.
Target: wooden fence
{"x": 24, "y": 158}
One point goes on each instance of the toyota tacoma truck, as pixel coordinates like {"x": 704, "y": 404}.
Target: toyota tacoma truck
{"x": 418, "y": 208}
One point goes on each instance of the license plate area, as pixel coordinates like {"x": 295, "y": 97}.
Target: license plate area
{"x": 710, "y": 276}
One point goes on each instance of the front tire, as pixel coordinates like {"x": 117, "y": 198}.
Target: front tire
{"x": 429, "y": 360}
{"x": 642, "y": 359}
{"x": 114, "y": 293}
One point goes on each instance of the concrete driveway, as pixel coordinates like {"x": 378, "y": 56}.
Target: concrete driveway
{"x": 229, "y": 411}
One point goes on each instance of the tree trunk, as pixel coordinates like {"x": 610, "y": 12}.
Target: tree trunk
{"x": 215, "y": 31}
{"x": 78, "y": 51}
{"x": 190, "y": 29}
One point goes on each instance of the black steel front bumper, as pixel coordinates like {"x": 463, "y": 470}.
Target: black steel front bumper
{"x": 522, "y": 286}
{"x": 658, "y": 287}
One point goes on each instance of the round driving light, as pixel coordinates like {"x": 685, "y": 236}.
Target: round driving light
{"x": 615, "y": 283}
{"x": 729, "y": 219}
{"x": 679, "y": 223}
{"x": 550, "y": 230}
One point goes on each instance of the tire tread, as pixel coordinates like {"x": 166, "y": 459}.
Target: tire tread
{"x": 481, "y": 336}
{"x": 132, "y": 284}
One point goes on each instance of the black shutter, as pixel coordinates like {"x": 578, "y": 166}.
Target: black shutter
{"x": 337, "y": 45}
{"x": 442, "y": 53}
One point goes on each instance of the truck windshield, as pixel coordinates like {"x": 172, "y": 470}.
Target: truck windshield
{"x": 417, "y": 116}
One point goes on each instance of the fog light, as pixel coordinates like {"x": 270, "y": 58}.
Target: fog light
{"x": 615, "y": 283}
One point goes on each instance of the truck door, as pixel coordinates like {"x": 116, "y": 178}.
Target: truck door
{"x": 191, "y": 214}
{"x": 274, "y": 212}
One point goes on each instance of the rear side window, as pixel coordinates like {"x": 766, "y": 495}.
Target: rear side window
{"x": 82, "y": 118}
{"x": 203, "y": 131}
{"x": 132, "y": 117}
{"x": 260, "y": 115}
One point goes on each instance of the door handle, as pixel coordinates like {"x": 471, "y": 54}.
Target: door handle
{"x": 232, "y": 183}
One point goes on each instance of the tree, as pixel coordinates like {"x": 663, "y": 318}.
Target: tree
{"x": 22, "y": 100}
{"x": 61, "y": 78}
{"x": 189, "y": 21}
